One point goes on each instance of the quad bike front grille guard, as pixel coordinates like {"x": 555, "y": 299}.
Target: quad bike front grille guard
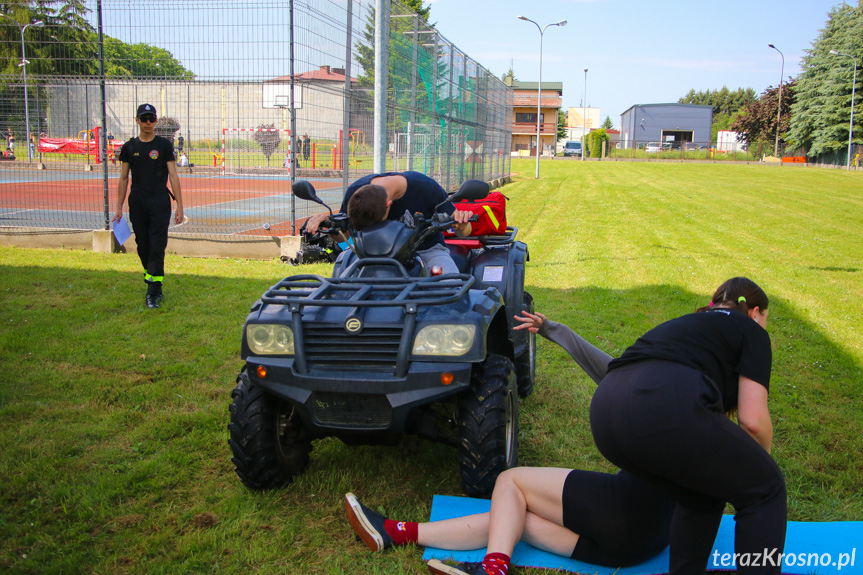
{"x": 409, "y": 293}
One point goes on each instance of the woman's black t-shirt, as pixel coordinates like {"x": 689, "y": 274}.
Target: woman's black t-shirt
{"x": 721, "y": 343}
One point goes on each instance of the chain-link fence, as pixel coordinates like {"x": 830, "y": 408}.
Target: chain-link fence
{"x": 253, "y": 94}
{"x": 730, "y": 152}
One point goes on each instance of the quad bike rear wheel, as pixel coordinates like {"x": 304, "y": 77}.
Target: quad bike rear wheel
{"x": 526, "y": 362}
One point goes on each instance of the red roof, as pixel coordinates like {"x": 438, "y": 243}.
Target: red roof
{"x": 325, "y": 74}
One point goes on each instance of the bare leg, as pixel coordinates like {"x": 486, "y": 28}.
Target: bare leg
{"x": 456, "y": 534}
{"x": 526, "y": 504}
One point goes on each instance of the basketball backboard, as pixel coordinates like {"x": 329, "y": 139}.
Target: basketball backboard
{"x": 278, "y": 95}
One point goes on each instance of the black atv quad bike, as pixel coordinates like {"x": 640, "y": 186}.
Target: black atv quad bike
{"x": 383, "y": 348}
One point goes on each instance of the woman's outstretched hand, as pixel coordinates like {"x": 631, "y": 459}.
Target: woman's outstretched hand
{"x": 529, "y": 321}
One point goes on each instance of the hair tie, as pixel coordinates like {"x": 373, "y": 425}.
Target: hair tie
{"x": 741, "y": 299}
{"x": 710, "y": 304}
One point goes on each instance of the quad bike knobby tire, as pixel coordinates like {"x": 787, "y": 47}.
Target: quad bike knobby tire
{"x": 525, "y": 364}
{"x": 267, "y": 437}
{"x": 488, "y": 425}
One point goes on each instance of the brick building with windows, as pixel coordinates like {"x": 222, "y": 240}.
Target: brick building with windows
{"x": 524, "y": 115}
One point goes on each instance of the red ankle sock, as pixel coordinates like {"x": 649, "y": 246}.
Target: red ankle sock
{"x": 402, "y": 532}
{"x": 496, "y": 564}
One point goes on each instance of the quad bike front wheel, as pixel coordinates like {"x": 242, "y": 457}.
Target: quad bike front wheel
{"x": 268, "y": 439}
{"x": 488, "y": 425}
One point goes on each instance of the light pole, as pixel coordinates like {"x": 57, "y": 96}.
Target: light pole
{"x": 584, "y": 119}
{"x": 779, "y": 107}
{"x": 539, "y": 87}
{"x": 853, "y": 93}
{"x": 23, "y": 66}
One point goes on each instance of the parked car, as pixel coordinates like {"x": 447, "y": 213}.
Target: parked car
{"x": 572, "y": 148}
{"x": 655, "y": 147}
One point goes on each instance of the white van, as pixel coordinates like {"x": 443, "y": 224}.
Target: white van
{"x": 572, "y": 148}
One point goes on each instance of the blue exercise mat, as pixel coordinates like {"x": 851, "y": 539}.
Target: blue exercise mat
{"x": 810, "y": 548}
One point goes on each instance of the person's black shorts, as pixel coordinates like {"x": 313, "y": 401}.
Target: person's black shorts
{"x": 620, "y": 519}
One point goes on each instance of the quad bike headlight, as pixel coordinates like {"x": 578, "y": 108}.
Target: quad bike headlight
{"x": 269, "y": 339}
{"x": 444, "y": 340}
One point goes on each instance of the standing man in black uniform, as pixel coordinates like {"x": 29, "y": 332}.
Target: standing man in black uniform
{"x": 151, "y": 161}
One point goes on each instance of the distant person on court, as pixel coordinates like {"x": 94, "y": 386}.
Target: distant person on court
{"x": 10, "y": 141}
{"x": 307, "y": 147}
{"x": 150, "y": 158}
{"x": 183, "y": 162}
{"x": 180, "y": 141}
{"x": 397, "y": 196}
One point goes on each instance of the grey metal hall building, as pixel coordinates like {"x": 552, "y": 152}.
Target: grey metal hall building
{"x": 666, "y": 123}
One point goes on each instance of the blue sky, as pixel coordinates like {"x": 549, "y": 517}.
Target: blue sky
{"x": 636, "y": 52}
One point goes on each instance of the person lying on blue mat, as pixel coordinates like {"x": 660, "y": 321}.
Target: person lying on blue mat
{"x": 602, "y": 518}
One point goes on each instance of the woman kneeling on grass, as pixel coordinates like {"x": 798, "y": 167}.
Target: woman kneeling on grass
{"x": 659, "y": 414}
{"x": 601, "y": 518}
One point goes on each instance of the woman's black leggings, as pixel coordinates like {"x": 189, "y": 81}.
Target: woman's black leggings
{"x": 663, "y": 421}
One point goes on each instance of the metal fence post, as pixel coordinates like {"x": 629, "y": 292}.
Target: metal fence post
{"x": 103, "y": 137}
{"x": 346, "y": 113}
{"x": 382, "y": 37}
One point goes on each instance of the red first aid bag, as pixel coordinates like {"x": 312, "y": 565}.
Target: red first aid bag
{"x": 491, "y": 213}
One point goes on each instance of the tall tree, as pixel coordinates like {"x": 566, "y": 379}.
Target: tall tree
{"x": 401, "y": 39}
{"x": 418, "y": 7}
{"x": 757, "y": 121}
{"x": 561, "y": 125}
{"x": 821, "y": 114}
{"x": 607, "y": 124}
{"x": 69, "y": 46}
{"x": 723, "y": 101}
{"x": 139, "y": 61}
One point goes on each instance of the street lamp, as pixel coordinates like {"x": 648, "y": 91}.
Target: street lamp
{"x": 853, "y": 93}
{"x": 779, "y": 107}
{"x": 584, "y": 119}
{"x": 539, "y": 87}
{"x": 23, "y": 66}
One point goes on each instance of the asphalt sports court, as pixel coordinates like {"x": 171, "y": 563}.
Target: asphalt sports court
{"x": 213, "y": 204}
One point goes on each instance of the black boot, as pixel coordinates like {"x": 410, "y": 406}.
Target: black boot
{"x": 153, "y": 299}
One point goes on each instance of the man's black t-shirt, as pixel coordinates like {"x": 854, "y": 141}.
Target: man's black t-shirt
{"x": 148, "y": 162}
{"x": 422, "y": 195}
{"x": 721, "y": 343}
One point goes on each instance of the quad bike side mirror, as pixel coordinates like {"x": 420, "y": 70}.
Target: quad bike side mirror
{"x": 471, "y": 190}
{"x": 306, "y": 191}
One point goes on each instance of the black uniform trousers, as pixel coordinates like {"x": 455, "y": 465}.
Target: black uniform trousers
{"x": 663, "y": 422}
{"x": 150, "y": 217}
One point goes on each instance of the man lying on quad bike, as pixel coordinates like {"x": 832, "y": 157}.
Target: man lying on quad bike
{"x": 406, "y": 194}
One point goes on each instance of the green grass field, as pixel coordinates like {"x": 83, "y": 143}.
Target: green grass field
{"x": 113, "y": 418}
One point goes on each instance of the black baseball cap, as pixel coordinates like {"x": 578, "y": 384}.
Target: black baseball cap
{"x": 145, "y": 109}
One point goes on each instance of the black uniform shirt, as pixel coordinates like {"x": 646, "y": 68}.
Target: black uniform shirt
{"x": 422, "y": 195}
{"x": 721, "y": 343}
{"x": 149, "y": 164}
